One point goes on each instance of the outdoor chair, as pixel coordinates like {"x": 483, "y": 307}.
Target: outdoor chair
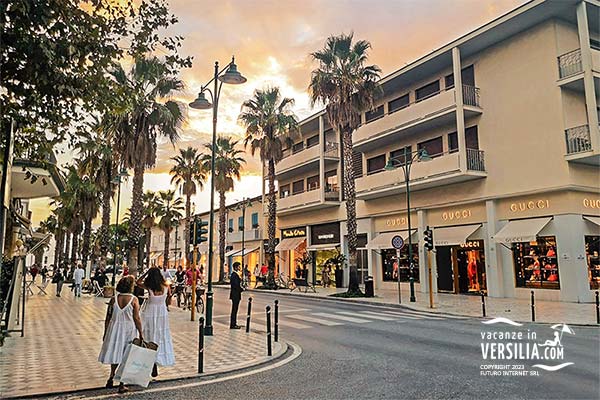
{"x": 97, "y": 290}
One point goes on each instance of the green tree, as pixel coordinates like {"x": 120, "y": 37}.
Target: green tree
{"x": 150, "y": 204}
{"x": 169, "y": 211}
{"x": 269, "y": 123}
{"x": 347, "y": 87}
{"x": 189, "y": 174}
{"x": 228, "y": 166}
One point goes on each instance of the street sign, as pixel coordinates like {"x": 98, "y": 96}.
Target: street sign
{"x": 397, "y": 242}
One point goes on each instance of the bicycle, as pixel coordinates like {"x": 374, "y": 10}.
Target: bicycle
{"x": 285, "y": 282}
{"x": 199, "y": 298}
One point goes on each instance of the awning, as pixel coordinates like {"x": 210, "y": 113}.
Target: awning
{"x": 155, "y": 255}
{"x": 384, "y": 240}
{"x": 453, "y": 235}
{"x": 240, "y": 253}
{"x": 593, "y": 220}
{"x": 232, "y": 252}
{"x": 523, "y": 230}
{"x": 289, "y": 244}
{"x": 316, "y": 247}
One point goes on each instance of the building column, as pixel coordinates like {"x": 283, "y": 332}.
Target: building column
{"x": 588, "y": 77}
{"x": 572, "y": 263}
{"x": 322, "y": 159}
{"x": 493, "y": 256}
{"x": 460, "y": 112}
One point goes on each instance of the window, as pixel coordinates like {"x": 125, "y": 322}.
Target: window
{"x": 298, "y": 147}
{"x": 468, "y": 76}
{"x": 434, "y": 147}
{"x": 254, "y": 220}
{"x": 357, "y": 164}
{"x": 332, "y": 181}
{"x": 399, "y": 154}
{"x": 398, "y": 104}
{"x": 536, "y": 263}
{"x": 592, "y": 250}
{"x": 389, "y": 264}
{"x": 375, "y": 164}
{"x": 427, "y": 90}
{"x": 471, "y": 139}
{"x": 453, "y": 142}
{"x": 312, "y": 182}
{"x": 298, "y": 187}
{"x": 230, "y": 225}
{"x": 284, "y": 191}
{"x": 374, "y": 114}
{"x": 449, "y": 81}
{"x": 595, "y": 44}
{"x": 312, "y": 141}
{"x": 240, "y": 223}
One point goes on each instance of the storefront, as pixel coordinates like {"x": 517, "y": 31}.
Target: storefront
{"x": 390, "y": 265}
{"x": 249, "y": 256}
{"x": 592, "y": 253}
{"x": 291, "y": 248}
{"x": 324, "y": 245}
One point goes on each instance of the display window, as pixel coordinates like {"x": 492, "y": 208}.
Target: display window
{"x": 461, "y": 269}
{"x": 592, "y": 253}
{"x": 391, "y": 267}
{"x": 536, "y": 263}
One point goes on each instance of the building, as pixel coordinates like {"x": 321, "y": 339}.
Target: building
{"x": 509, "y": 115}
{"x": 177, "y": 246}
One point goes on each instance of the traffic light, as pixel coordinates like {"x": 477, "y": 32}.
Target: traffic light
{"x": 200, "y": 230}
{"x": 428, "y": 239}
{"x": 192, "y": 232}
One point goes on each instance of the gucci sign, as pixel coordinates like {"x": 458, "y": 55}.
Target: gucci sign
{"x": 454, "y": 215}
{"x": 396, "y": 221}
{"x": 591, "y": 203}
{"x": 529, "y": 205}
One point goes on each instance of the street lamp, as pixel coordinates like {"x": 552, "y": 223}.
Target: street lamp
{"x": 406, "y": 164}
{"x": 229, "y": 74}
{"x": 117, "y": 181}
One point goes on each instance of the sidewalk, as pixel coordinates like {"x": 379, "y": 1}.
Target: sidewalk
{"x": 465, "y": 305}
{"x": 63, "y": 337}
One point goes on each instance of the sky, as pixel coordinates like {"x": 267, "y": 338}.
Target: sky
{"x": 272, "y": 41}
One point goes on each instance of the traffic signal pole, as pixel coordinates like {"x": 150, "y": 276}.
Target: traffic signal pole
{"x": 193, "y": 305}
{"x": 428, "y": 248}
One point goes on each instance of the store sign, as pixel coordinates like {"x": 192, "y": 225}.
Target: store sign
{"x": 400, "y": 221}
{"x": 472, "y": 244}
{"x": 325, "y": 234}
{"x": 456, "y": 215}
{"x": 521, "y": 206}
{"x": 293, "y": 233}
{"x": 591, "y": 203}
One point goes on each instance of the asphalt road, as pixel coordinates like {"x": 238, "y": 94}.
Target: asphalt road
{"x": 354, "y": 351}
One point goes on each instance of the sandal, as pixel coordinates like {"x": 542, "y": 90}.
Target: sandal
{"x": 109, "y": 383}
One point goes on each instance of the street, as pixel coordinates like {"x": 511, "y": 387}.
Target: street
{"x": 357, "y": 351}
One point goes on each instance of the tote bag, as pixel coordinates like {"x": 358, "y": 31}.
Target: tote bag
{"x": 136, "y": 367}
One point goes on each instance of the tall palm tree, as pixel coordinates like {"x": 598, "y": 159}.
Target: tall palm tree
{"x": 188, "y": 173}
{"x": 228, "y": 167}
{"x": 269, "y": 123}
{"x": 88, "y": 203}
{"x": 150, "y": 202}
{"x": 137, "y": 129}
{"x": 169, "y": 210}
{"x": 347, "y": 87}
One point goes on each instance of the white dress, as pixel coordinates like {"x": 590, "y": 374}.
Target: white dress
{"x": 155, "y": 326}
{"x": 121, "y": 331}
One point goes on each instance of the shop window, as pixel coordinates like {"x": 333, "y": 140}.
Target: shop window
{"x": 312, "y": 182}
{"x": 434, "y": 147}
{"x": 284, "y": 191}
{"x": 453, "y": 142}
{"x": 471, "y": 138}
{"x": 375, "y": 164}
{"x": 398, "y": 104}
{"x": 536, "y": 263}
{"x": 390, "y": 267}
{"x": 240, "y": 223}
{"x": 449, "y": 81}
{"x": 428, "y": 90}
{"x": 298, "y": 187}
{"x": 374, "y": 114}
{"x": 312, "y": 141}
{"x": 230, "y": 225}
{"x": 254, "y": 220}
{"x": 298, "y": 147}
{"x": 400, "y": 154}
{"x": 592, "y": 252}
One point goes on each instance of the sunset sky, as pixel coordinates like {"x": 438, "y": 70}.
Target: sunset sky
{"x": 272, "y": 40}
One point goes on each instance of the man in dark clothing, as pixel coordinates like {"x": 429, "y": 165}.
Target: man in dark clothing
{"x": 235, "y": 295}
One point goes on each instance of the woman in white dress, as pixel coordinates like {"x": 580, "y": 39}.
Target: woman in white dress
{"x": 121, "y": 326}
{"x": 155, "y": 318}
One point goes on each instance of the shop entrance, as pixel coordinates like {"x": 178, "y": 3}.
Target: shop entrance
{"x": 320, "y": 259}
{"x": 461, "y": 269}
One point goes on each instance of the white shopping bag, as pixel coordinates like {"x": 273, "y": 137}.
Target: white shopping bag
{"x": 136, "y": 367}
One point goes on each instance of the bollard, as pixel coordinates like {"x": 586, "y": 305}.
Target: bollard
{"x": 248, "y": 315}
{"x": 276, "y": 320}
{"x": 269, "y": 350}
{"x": 412, "y": 289}
{"x": 532, "y": 307}
{"x": 597, "y": 308}
{"x": 201, "y": 344}
{"x": 483, "y": 304}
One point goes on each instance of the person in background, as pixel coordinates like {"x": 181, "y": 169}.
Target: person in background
{"x": 180, "y": 285}
{"x": 246, "y": 275}
{"x": 59, "y": 279}
{"x": 34, "y": 270}
{"x": 166, "y": 274}
{"x": 44, "y": 274}
{"x": 78, "y": 276}
{"x": 235, "y": 295}
{"x": 101, "y": 277}
{"x": 121, "y": 325}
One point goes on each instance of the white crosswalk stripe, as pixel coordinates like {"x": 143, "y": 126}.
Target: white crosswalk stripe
{"x": 319, "y": 321}
{"x": 375, "y": 315}
{"x": 343, "y": 318}
{"x": 292, "y": 324}
{"x": 402, "y": 315}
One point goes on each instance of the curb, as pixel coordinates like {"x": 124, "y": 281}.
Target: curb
{"x": 285, "y": 347}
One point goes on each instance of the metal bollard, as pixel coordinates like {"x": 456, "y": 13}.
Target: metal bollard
{"x": 269, "y": 350}
{"x": 201, "y": 344}
{"x": 597, "y": 308}
{"x": 483, "y": 304}
{"x": 532, "y": 307}
{"x": 276, "y": 320}
{"x": 248, "y": 315}
{"x": 412, "y": 289}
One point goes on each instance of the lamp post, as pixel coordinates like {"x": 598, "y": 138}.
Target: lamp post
{"x": 229, "y": 74}
{"x": 406, "y": 164}
{"x": 117, "y": 180}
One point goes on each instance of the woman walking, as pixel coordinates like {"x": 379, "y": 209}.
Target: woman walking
{"x": 121, "y": 326}
{"x": 59, "y": 279}
{"x": 155, "y": 318}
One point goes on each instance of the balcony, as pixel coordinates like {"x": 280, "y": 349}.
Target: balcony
{"x": 441, "y": 170}
{"x": 569, "y": 64}
{"x": 308, "y": 200}
{"x": 579, "y": 146}
{"x": 438, "y": 109}
{"x": 249, "y": 235}
{"x": 306, "y": 160}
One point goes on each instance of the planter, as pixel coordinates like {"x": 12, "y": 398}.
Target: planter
{"x": 108, "y": 291}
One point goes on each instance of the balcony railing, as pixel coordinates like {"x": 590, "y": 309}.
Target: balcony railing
{"x": 570, "y": 63}
{"x": 475, "y": 160}
{"x": 332, "y": 192}
{"x": 331, "y": 149}
{"x": 578, "y": 139}
{"x": 470, "y": 95}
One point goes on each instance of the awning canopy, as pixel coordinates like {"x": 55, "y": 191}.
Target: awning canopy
{"x": 240, "y": 253}
{"x": 232, "y": 252}
{"x": 289, "y": 244}
{"x": 155, "y": 255}
{"x": 593, "y": 220}
{"x": 523, "y": 230}
{"x": 384, "y": 240}
{"x": 453, "y": 235}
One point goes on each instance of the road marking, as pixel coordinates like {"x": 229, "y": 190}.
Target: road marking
{"x": 343, "y": 318}
{"x": 374, "y": 315}
{"x": 315, "y": 320}
{"x": 401, "y": 315}
{"x": 293, "y": 324}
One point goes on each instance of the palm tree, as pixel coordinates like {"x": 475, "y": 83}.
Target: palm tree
{"x": 150, "y": 202}
{"x": 169, "y": 211}
{"x": 269, "y": 123}
{"x": 188, "y": 173}
{"x": 137, "y": 129}
{"x": 228, "y": 166}
{"x": 88, "y": 204}
{"x": 347, "y": 87}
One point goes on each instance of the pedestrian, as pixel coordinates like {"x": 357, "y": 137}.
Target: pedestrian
{"x": 155, "y": 318}
{"x": 121, "y": 325}
{"x": 44, "y": 274}
{"x": 78, "y": 276}
{"x": 59, "y": 279}
{"x": 246, "y": 275}
{"x": 325, "y": 275}
{"x": 179, "y": 288}
{"x": 235, "y": 295}
{"x": 101, "y": 277}
{"x": 34, "y": 270}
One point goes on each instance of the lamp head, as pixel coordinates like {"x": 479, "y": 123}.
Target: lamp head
{"x": 201, "y": 103}
{"x": 424, "y": 155}
{"x": 232, "y": 75}
{"x": 389, "y": 166}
